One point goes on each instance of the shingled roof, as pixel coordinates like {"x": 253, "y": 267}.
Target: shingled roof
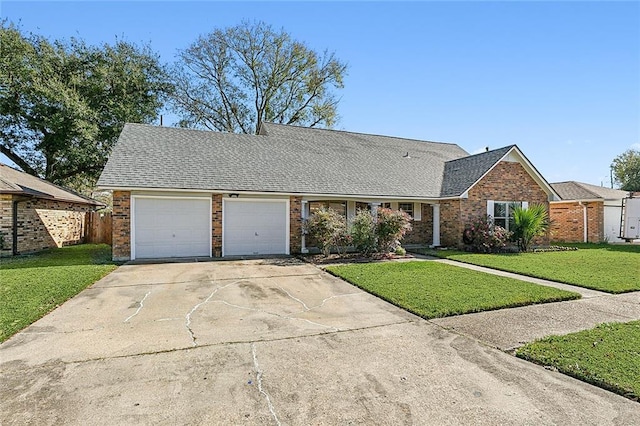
{"x": 461, "y": 173}
{"x": 572, "y": 190}
{"x": 14, "y": 181}
{"x": 281, "y": 158}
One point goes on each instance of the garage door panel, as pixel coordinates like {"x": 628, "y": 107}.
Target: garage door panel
{"x": 255, "y": 227}
{"x": 172, "y": 227}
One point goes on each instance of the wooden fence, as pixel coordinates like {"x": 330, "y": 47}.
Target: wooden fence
{"x": 98, "y": 228}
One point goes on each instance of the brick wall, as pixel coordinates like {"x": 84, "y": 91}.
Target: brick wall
{"x": 422, "y": 231}
{"x": 121, "y": 225}
{"x": 216, "y": 225}
{"x": 507, "y": 181}
{"x": 567, "y": 222}
{"x": 42, "y": 224}
{"x": 6, "y": 224}
{"x": 295, "y": 224}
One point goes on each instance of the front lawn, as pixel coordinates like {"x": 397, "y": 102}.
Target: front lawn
{"x": 607, "y": 356}
{"x": 431, "y": 289}
{"x": 31, "y": 286}
{"x": 606, "y": 267}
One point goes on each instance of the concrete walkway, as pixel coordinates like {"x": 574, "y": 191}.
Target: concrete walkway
{"x": 508, "y": 329}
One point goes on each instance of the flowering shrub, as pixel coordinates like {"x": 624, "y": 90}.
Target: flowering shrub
{"x": 391, "y": 227}
{"x": 363, "y": 232}
{"x": 483, "y": 236}
{"x": 329, "y": 229}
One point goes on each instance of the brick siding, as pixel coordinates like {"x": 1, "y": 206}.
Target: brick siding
{"x": 42, "y": 224}
{"x": 422, "y": 230}
{"x": 295, "y": 224}
{"x": 121, "y": 225}
{"x": 216, "y": 225}
{"x": 567, "y": 222}
{"x": 507, "y": 181}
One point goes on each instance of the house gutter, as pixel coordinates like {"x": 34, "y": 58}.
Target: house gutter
{"x": 585, "y": 223}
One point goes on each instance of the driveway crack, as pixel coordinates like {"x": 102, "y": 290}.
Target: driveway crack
{"x": 195, "y": 308}
{"x": 140, "y": 305}
{"x": 260, "y": 387}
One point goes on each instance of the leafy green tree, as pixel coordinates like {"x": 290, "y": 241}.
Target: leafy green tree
{"x": 529, "y": 223}
{"x": 235, "y": 78}
{"x": 63, "y": 104}
{"x": 626, "y": 169}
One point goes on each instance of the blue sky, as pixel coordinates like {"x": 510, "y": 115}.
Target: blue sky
{"x": 559, "y": 79}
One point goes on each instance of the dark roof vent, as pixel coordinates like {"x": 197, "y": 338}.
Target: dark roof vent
{"x": 406, "y": 155}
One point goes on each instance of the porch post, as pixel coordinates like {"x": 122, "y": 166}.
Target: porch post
{"x": 374, "y": 209}
{"x": 305, "y": 215}
{"x": 436, "y": 225}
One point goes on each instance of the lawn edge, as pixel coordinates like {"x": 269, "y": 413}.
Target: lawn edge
{"x": 572, "y": 296}
{"x": 583, "y": 378}
{"x": 534, "y": 276}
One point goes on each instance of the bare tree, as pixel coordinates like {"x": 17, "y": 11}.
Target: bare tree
{"x": 235, "y": 78}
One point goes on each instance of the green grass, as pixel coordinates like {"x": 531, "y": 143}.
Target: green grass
{"x": 31, "y": 286}
{"x": 431, "y": 289}
{"x": 606, "y": 267}
{"x": 607, "y": 356}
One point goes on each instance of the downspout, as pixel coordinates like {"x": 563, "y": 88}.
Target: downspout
{"x": 585, "y": 222}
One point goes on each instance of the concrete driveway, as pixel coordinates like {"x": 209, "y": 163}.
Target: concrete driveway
{"x": 269, "y": 342}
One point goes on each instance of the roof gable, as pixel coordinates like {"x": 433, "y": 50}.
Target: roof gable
{"x": 462, "y": 173}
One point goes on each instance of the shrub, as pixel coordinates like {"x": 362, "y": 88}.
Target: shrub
{"x": 363, "y": 232}
{"x": 328, "y": 228}
{"x": 529, "y": 223}
{"x": 483, "y": 236}
{"x": 391, "y": 227}
{"x": 400, "y": 251}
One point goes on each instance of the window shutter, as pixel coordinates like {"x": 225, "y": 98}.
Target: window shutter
{"x": 525, "y": 205}
{"x": 490, "y": 208}
{"x": 417, "y": 211}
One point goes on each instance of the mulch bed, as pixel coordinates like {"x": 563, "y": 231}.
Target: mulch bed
{"x": 319, "y": 259}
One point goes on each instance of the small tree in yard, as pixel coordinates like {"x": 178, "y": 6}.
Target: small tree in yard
{"x": 391, "y": 227}
{"x": 529, "y": 223}
{"x": 328, "y": 228}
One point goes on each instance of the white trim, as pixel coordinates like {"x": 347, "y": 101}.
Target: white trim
{"x": 417, "y": 212}
{"x": 132, "y": 221}
{"x": 287, "y": 201}
{"x": 279, "y": 195}
{"x": 436, "y": 225}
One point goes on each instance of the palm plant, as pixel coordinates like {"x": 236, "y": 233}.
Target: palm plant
{"x": 529, "y": 223}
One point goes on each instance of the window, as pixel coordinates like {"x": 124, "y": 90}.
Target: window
{"x": 339, "y": 206}
{"x": 407, "y": 208}
{"x": 385, "y": 205}
{"x": 502, "y": 212}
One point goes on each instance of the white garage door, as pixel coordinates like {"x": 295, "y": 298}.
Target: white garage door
{"x": 255, "y": 227}
{"x": 171, "y": 227}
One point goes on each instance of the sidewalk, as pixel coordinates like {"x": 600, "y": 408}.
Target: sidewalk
{"x": 508, "y": 329}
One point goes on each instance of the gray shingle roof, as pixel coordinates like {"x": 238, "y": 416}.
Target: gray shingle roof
{"x": 14, "y": 181}
{"x": 461, "y": 173}
{"x": 573, "y": 190}
{"x": 281, "y": 159}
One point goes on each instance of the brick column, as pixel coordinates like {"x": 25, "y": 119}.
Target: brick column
{"x": 216, "y": 225}
{"x": 295, "y": 224}
{"x": 121, "y": 225}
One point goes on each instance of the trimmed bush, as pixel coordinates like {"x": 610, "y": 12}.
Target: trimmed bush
{"x": 329, "y": 229}
{"x": 482, "y": 236}
{"x": 363, "y": 232}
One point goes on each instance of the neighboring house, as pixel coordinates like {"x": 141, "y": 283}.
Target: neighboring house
{"x": 185, "y": 193}
{"x": 586, "y": 213}
{"x": 36, "y": 214}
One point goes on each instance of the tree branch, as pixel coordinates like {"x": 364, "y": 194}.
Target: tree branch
{"x": 20, "y": 162}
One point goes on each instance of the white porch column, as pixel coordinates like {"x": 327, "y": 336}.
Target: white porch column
{"x": 436, "y": 224}
{"x": 351, "y": 210}
{"x": 305, "y": 215}
{"x": 374, "y": 209}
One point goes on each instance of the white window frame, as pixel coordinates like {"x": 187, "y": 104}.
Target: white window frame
{"x": 508, "y": 210}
